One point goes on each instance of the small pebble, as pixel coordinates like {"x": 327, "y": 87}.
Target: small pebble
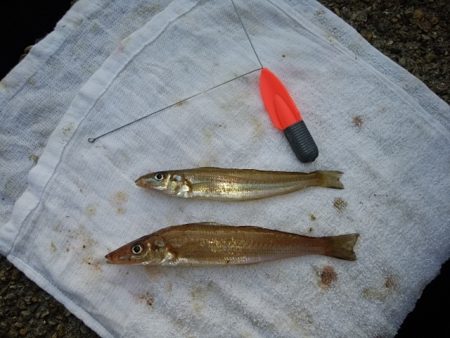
{"x": 418, "y": 14}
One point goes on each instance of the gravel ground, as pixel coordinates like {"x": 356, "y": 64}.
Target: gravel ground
{"x": 415, "y": 34}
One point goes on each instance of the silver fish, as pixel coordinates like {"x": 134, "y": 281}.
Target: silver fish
{"x": 235, "y": 184}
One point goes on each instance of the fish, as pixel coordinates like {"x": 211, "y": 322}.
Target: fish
{"x": 221, "y": 184}
{"x": 209, "y": 243}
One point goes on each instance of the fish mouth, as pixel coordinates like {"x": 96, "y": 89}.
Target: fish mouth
{"x": 140, "y": 182}
{"x": 114, "y": 258}
{"x": 109, "y": 259}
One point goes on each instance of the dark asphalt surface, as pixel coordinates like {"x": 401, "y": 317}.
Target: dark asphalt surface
{"x": 415, "y": 34}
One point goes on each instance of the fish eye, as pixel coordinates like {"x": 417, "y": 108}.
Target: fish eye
{"x": 137, "y": 249}
{"x": 159, "y": 176}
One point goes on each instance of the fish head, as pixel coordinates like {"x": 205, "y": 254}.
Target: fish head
{"x": 158, "y": 180}
{"x": 147, "y": 250}
{"x": 172, "y": 183}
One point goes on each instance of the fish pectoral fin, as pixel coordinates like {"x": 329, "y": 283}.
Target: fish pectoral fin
{"x": 170, "y": 256}
{"x": 184, "y": 189}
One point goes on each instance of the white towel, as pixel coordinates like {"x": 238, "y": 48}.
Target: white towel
{"x": 370, "y": 118}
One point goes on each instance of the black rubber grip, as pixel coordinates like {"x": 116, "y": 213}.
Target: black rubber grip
{"x": 301, "y": 142}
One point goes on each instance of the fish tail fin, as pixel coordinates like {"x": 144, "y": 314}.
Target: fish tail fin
{"x": 342, "y": 246}
{"x": 329, "y": 179}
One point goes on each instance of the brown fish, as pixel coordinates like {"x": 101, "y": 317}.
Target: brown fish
{"x": 216, "y": 244}
{"x": 235, "y": 184}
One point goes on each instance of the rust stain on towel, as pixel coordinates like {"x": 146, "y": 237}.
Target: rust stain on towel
{"x": 120, "y": 197}
{"x": 147, "y": 299}
{"x": 358, "y": 121}
{"x": 390, "y": 282}
{"x": 31, "y": 81}
{"x": 119, "y": 200}
{"x": 257, "y": 127}
{"x": 327, "y": 276}
{"x": 34, "y": 158}
{"x": 86, "y": 240}
{"x": 381, "y": 293}
{"x": 339, "y": 204}
{"x": 91, "y": 210}
{"x": 93, "y": 263}
{"x": 68, "y": 128}
{"x": 79, "y": 239}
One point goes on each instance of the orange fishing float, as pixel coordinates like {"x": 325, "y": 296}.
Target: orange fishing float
{"x": 286, "y": 116}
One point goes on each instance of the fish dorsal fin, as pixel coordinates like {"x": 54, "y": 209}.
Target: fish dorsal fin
{"x": 208, "y": 223}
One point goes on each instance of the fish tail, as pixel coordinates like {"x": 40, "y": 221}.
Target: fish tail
{"x": 342, "y": 246}
{"x": 329, "y": 179}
